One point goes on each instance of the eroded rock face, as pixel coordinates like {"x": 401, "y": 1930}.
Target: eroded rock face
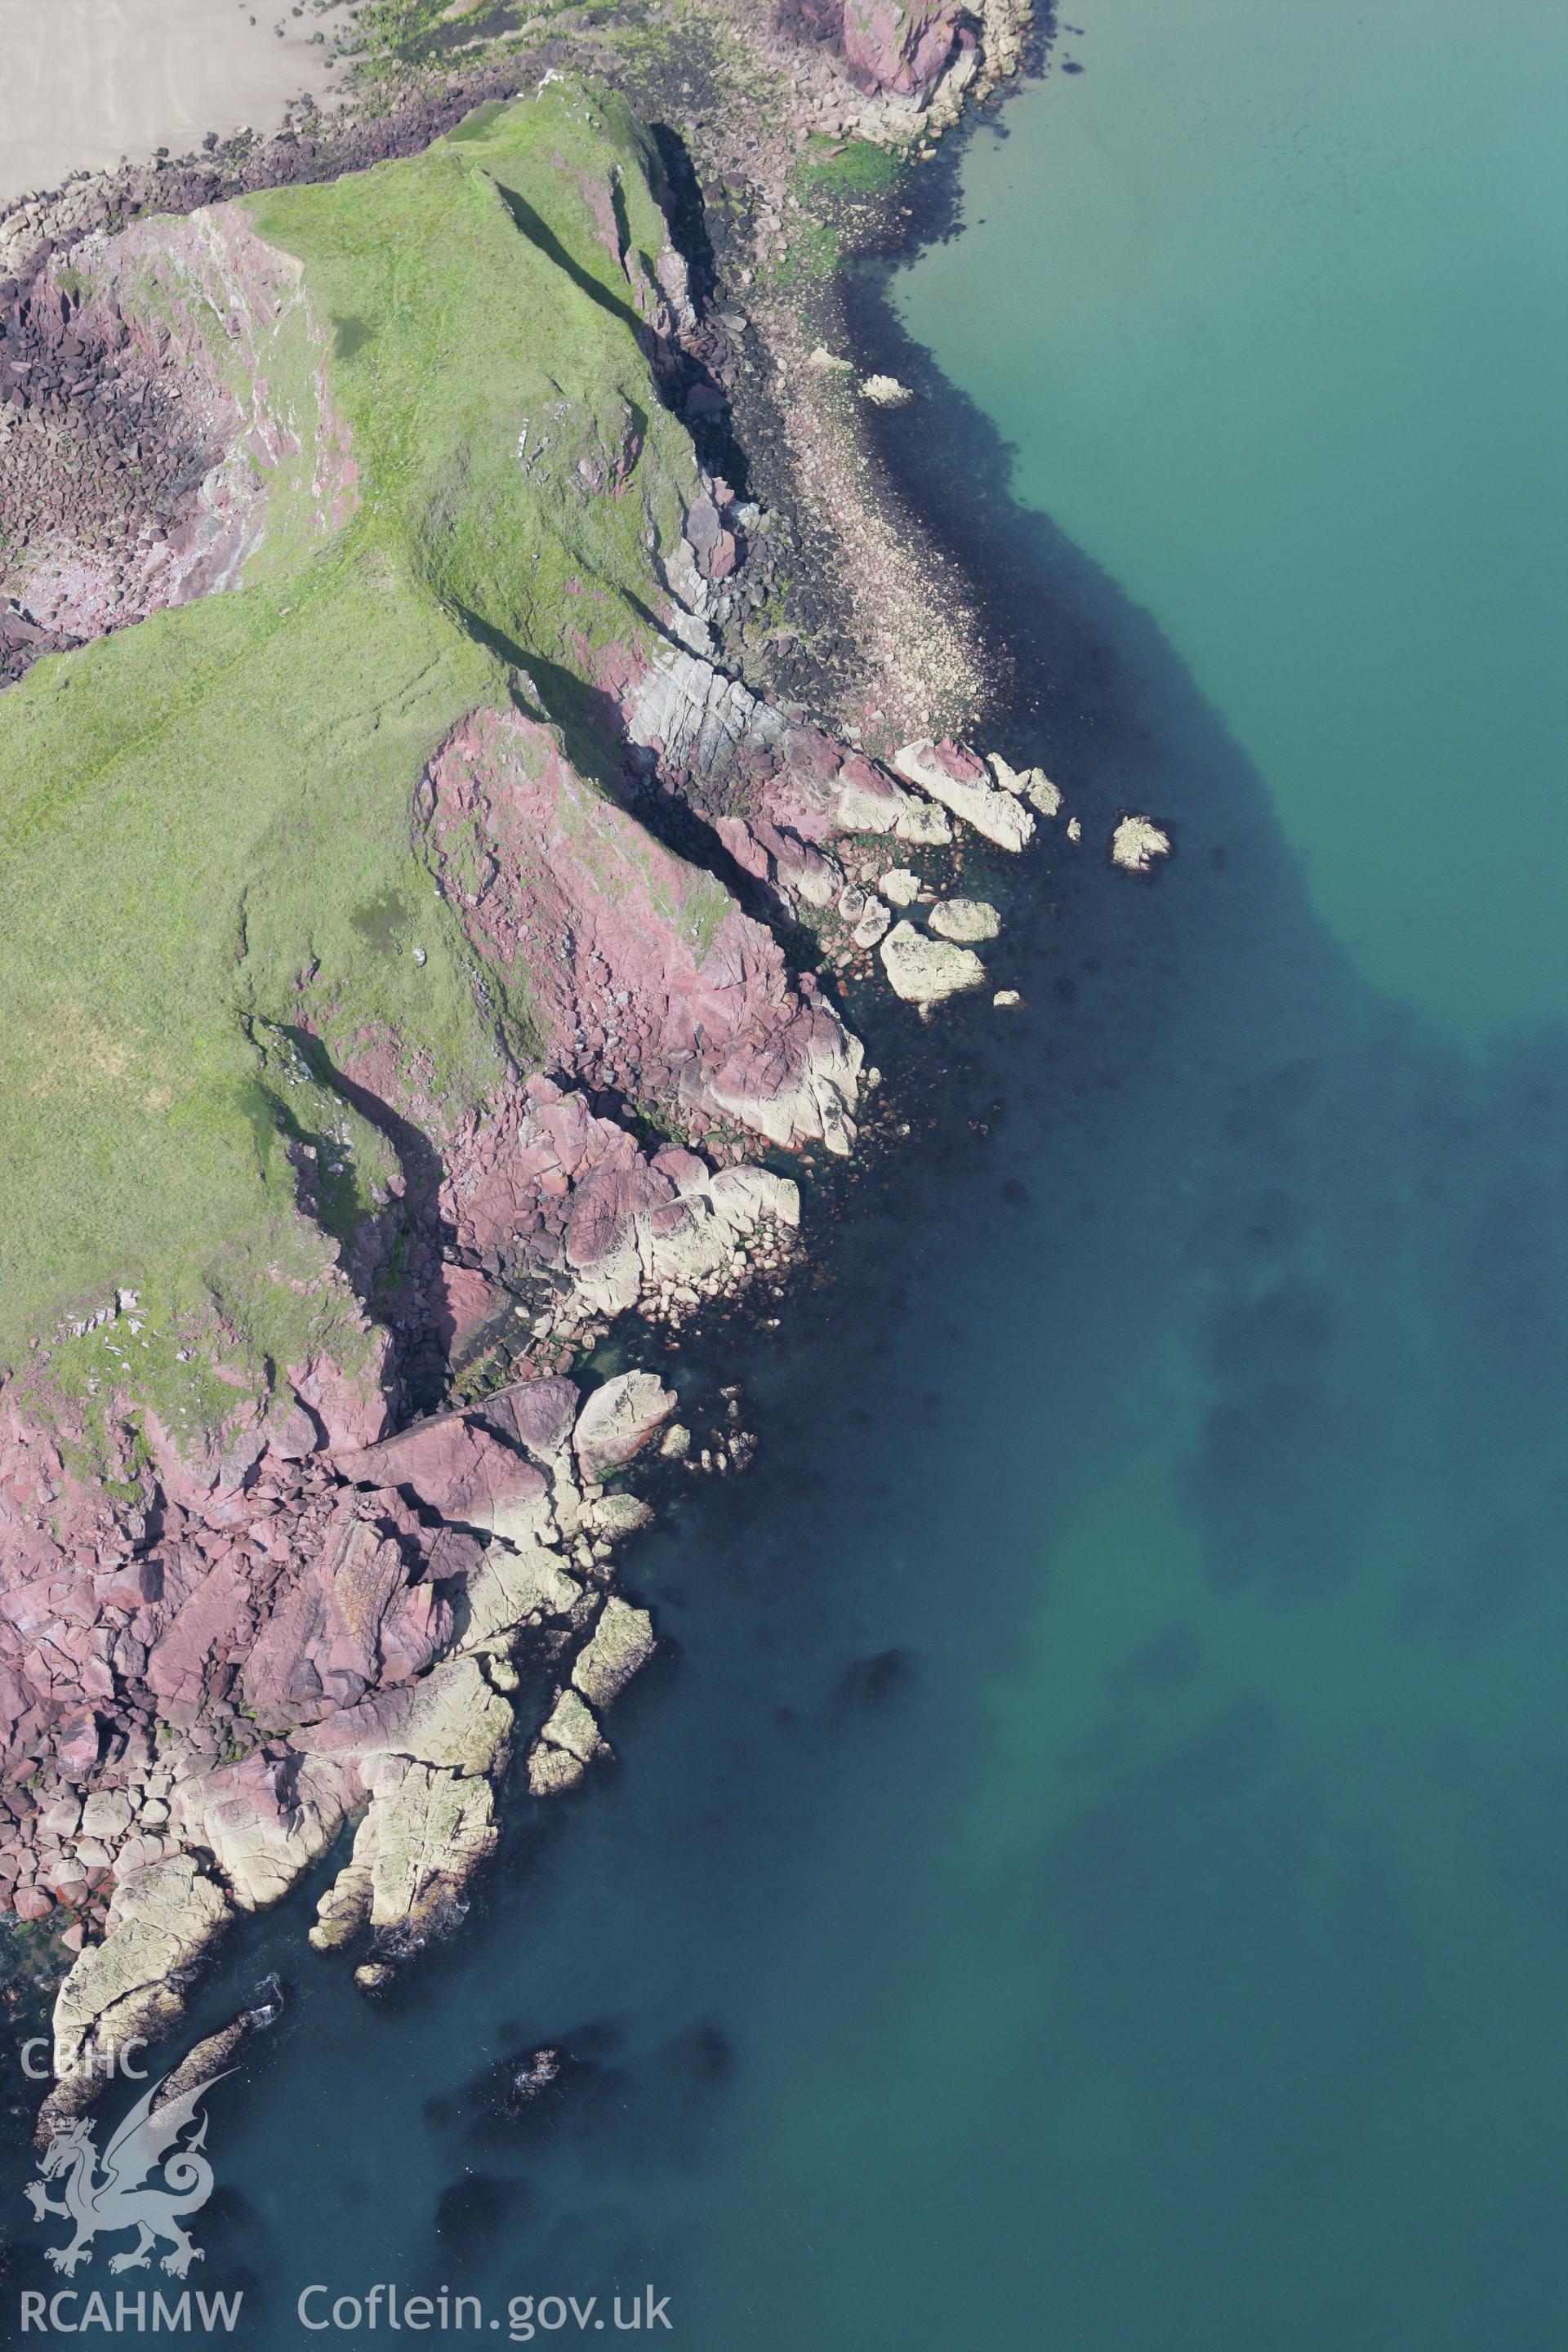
{"x": 264, "y": 1820}
{"x": 233, "y": 1643}
{"x": 455, "y": 1464}
{"x": 901, "y": 46}
{"x": 643, "y": 967}
{"x": 301, "y": 1586}
{"x": 546, "y": 1191}
{"x": 425, "y": 1833}
{"x": 138, "y": 462}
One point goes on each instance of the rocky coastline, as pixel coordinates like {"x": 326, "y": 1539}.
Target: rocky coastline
{"x": 326, "y": 1591}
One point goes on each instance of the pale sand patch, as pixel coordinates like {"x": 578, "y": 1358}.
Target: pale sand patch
{"x": 83, "y": 82}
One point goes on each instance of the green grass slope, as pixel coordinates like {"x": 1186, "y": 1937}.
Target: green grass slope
{"x": 205, "y": 821}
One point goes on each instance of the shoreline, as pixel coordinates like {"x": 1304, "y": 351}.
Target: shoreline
{"x": 92, "y": 82}
{"x": 852, "y": 434}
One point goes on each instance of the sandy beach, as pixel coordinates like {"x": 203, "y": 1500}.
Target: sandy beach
{"x": 87, "y": 81}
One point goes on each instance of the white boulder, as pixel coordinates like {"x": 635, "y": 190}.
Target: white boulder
{"x": 924, "y": 971}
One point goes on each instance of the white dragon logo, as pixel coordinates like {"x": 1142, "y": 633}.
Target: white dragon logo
{"x": 122, "y": 2195}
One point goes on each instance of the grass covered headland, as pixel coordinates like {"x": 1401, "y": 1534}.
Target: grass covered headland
{"x": 452, "y": 484}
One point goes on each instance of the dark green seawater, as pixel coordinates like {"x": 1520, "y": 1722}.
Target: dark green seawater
{"x": 1091, "y": 1870}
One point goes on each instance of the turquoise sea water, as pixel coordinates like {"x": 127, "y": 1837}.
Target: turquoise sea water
{"x": 1273, "y": 303}
{"x": 1090, "y": 1870}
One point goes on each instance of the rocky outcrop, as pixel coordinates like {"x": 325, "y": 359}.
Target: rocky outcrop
{"x": 131, "y": 1986}
{"x": 455, "y": 1465}
{"x": 556, "y": 1209}
{"x": 694, "y": 719}
{"x": 642, "y": 968}
{"x": 618, "y": 1420}
{"x": 569, "y": 1741}
{"x": 426, "y": 1831}
{"x": 410, "y": 1744}
{"x": 958, "y": 779}
{"x": 901, "y": 46}
{"x": 281, "y": 1582}
{"x": 623, "y": 1643}
{"x": 1032, "y": 784}
{"x": 227, "y": 1638}
{"x": 422, "y": 1758}
{"x": 264, "y": 1820}
{"x": 570, "y": 1738}
{"x": 1137, "y": 844}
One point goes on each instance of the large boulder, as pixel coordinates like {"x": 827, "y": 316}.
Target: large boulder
{"x": 455, "y": 1464}
{"x": 623, "y": 1643}
{"x": 864, "y": 799}
{"x": 568, "y": 1742}
{"x": 924, "y": 971}
{"x": 618, "y": 1420}
{"x": 520, "y": 1580}
{"x": 535, "y": 1414}
{"x": 969, "y": 922}
{"x": 960, "y": 780}
{"x": 1136, "y": 844}
{"x": 424, "y": 1756}
{"x": 263, "y": 1823}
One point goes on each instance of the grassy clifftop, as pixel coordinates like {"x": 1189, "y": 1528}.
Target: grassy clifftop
{"x": 206, "y": 836}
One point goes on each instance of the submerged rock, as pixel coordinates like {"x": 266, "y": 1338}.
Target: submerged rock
{"x": 533, "y": 2075}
